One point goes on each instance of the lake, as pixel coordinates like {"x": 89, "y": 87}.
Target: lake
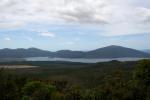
{"x": 83, "y": 60}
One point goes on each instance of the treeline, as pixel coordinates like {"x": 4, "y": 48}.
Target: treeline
{"x": 114, "y": 86}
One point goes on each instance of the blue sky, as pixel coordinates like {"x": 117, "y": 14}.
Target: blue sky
{"x": 74, "y": 24}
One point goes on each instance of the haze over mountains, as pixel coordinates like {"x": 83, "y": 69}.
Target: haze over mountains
{"x": 147, "y": 51}
{"x": 105, "y": 52}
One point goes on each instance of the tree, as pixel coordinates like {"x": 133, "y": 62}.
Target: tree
{"x": 37, "y": 90}
{"x": 141, "y": 80}
{"x": 141, "y": 73}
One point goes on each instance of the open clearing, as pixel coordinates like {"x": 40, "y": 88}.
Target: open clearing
{"x": 16, "y": 66}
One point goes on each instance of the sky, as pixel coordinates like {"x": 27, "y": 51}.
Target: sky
{"x": 74, "y": 24}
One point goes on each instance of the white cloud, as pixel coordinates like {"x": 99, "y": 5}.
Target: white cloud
{"x": 29, "y": 38}
{"x": 144, "y": 14}
{"x": 10, "y": 24}
{"x": 82, "y": 11}
{"x": 118, "y": 17}
{"x": 7, "y": 39}
{"x": 70, "y": 43}
{"x": 47, "y": 34}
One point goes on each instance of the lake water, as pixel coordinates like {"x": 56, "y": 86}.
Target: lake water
{"x": 81, "y": 59}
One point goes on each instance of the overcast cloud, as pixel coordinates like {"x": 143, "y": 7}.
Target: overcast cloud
{"x": 117, "y": 17}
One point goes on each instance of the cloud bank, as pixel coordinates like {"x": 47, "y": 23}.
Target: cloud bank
{"x": 117, "y": 17}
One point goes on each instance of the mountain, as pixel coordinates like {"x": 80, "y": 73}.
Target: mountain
{"x": 70, "y": 54}
{"x": 115, "y": 52}
{"x": 105, "y": 52}
{"x": 146, "y": 51}
{"x": 22, "y": 53}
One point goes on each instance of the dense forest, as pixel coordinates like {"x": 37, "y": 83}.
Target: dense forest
{"x": 102, "y": 81}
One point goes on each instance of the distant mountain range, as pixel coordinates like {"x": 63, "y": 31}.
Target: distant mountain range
{"x": 146, "y": 51}
{"x": 105, "y": 52}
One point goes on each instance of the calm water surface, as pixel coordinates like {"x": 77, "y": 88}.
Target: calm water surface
{"x": 83, "y": 60}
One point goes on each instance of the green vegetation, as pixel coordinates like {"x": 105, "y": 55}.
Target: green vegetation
{"x": 76, "y": 81}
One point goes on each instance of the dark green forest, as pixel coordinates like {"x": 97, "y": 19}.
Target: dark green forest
{"x": 76, "y": 81}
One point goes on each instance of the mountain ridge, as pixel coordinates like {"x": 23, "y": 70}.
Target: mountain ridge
{"x": 146, "y": 51}
{"x": 111, "y": 51}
